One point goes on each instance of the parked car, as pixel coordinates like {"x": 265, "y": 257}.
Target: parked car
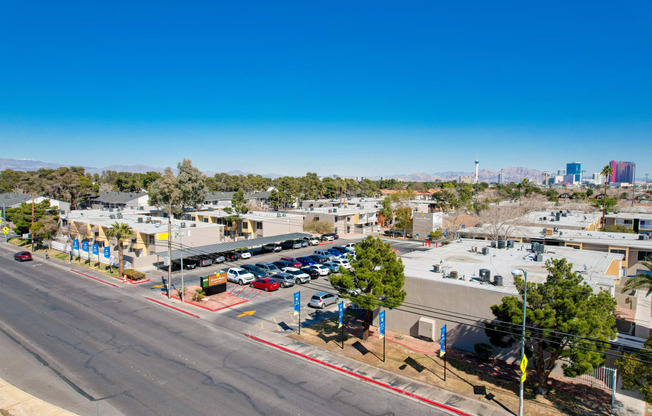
{"x": 343, "y": 263}
{"x": 335, "y": 252}
{"x": 272, "y": 247}
{"x": 265, "y": 284}
{"x": 312, "y": 272}
{"x": 323, "y": 270}
{"x": 326, "y": 237}
{"x": 299, "y": 275}
{"x": 188, "y": 264}
{"x": 345, "y": 251}
{"x": 306, "y": 261}
{"x": 283, "y": 279}
{"x": 291, "y": 244}
{"x": 23, "y": 256}
{"x": 245, "y": 254}
{"x": 282, "y": 263}
{"x": 348, "y": 292}
{"x": 323, "y": 299}
{"x": 304, "y": 242}
{"x": 256, "y": 271}
{"x": 351, "y": 246}
{"x": 312, "y": 241}
{"x": 204, "y": 261}
{"x": 334, "y": 267}
{"x": 269, "y": 268}
{"x": 217, "y": 258}
{"x": 318, "y": 259}
{"x": 239, "y": 275}
{"x": 292, "y": 260}
{"x": 232, "y": 255}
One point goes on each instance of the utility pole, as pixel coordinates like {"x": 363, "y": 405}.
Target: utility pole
{"x": 31, "y": 230}
{"x": 169, "y": 249}
{"x": 4, "y": 219}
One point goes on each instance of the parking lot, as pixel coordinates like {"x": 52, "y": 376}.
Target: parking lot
{"x": 274, "y": 310}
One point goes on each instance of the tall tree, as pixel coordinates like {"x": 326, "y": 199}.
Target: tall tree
{"x": 641, "y": 280}
{"x": 636, "y": 371}
{"x": 185, "y": 191}
{"x": 120, "y": 231}
{"x": 377, "y": 275}
{"x": 563, "y": 304}
{"x": 606, "y": 172}
{"x": 239, "y": 203}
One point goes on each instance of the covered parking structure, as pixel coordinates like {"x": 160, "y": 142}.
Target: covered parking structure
{"x": 234, "y": 245}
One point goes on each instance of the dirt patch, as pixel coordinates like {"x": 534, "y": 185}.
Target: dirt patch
{"x": 212, "y": 303}
{"x": 465, "y": 373}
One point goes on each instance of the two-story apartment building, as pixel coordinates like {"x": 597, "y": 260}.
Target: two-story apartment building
{"x": 253, "y": 224}
{"x": 352, "y": 220}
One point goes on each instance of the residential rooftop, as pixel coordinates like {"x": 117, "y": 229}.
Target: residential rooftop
{"x": 571, "y": 219}
{"x": 466, "y": 261}
{"x": 252, "y": 215}
{"x": 134, "y": 218}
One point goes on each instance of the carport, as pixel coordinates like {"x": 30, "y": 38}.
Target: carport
{"x": 234, "y": 245}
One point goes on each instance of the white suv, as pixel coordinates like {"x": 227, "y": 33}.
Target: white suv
{"x": 239, "y": 275}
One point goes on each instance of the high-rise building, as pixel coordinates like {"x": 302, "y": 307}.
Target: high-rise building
{"x": 623, "y": 172}
{"x": 575, "y": 169}
{"x": 477, "y": 163}
{"x": 500, "y": 177}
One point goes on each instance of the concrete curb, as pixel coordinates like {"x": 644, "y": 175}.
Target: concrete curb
{"x": 19, "y": 403}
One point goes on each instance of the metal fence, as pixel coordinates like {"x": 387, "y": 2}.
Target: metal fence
{"x": 603, "y": 378}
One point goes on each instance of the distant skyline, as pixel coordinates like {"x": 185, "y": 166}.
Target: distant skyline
{"x": 362, "y": 89}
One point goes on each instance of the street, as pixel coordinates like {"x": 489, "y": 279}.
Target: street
{"x": 111, "y": 347}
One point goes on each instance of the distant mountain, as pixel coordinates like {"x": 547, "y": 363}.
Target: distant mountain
{"x": 26, "y": 164}
{"x": 512, "y": 174}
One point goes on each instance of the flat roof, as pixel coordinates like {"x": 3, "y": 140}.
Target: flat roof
{"x": 573, "y": 219}
{"x": 254, "y": 215}
{"x": 632, "y": 215}
{"x": 233, "y": 245}
{"x": 570, "y": 236}
{"x": 103, "y": 218}
{"x": 339, "y": 211}
{"x": 460, "y": 257}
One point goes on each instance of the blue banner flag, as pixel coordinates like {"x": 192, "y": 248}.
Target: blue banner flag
{"x": 297, "y": 302}
{"x": 75, "y": 244}
{"x": 381, "y": 320}
{"x": 107, "y": 252}
{"x": 340, "y": 310}
{"x": 96, "y": 249}
{"x": 85, "y": 245}
{"x": 442, "y": 342}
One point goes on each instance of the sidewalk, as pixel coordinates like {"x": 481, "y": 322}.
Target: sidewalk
{"x": 18, "y": 403}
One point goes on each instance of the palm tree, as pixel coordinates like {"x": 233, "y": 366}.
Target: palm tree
{"x": 120, "y": 231}
{"x": 606, "y": 172}
{"x": 641, "y": 280}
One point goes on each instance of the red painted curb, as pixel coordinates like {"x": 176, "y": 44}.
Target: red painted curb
{"x": 325, "y": 242}
{"x": 94, "y": 278}
{"x": 207, "y": 308}
{"x": 172, "y": 307}
{"x": 351, "y": 373}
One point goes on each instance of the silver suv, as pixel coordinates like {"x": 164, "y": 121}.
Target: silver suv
{"x": 283, "y": 279}
{"x": 323, "y": 299}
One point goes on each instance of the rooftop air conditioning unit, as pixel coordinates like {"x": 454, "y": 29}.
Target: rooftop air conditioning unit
{"x": 112, "y": 216}
{"x": 183, "y": 224}
{"x": 141, "y": 208}
{"x": 139, "y": 220}
{"x": 334, "y": 209}
{"x": 193, "y": 225}
{"x": 119, "y": 216}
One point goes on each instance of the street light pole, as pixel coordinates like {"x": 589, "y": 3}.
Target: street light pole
{"x": 170, "y": 250}
{"x": 520, "y": 389}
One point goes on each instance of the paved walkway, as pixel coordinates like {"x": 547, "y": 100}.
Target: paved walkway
{"x": 18, "y": 403}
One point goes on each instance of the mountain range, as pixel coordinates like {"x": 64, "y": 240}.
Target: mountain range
{"x": 512, "y": 174}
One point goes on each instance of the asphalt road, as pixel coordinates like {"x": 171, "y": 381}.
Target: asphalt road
{"x": 111, "y": 346}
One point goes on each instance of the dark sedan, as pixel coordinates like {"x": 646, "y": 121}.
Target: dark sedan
{"x": 306, "y": 261}
{"x": 256, "y": 271}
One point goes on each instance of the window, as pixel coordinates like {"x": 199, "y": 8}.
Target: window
{"x": 644, "y": 255}
{"x": 259, "y": 225}
{"x": 245, "y": 226}
{"x": 316, "y": 219}
{"x": 205, "y": 219}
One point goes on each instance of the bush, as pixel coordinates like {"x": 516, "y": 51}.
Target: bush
{"x": 134, "y": 275}
{"x": 483, "y": 351}
{"x": 617, "y": 228}
{"x": 198, "y": 295}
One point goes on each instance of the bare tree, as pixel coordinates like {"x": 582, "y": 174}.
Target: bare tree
{"x": 500, "y": 220}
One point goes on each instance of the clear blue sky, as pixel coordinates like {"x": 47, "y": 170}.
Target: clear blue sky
{"x": 355, "y": 88}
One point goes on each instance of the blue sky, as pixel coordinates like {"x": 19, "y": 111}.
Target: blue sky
{"x": 354, "y": 88}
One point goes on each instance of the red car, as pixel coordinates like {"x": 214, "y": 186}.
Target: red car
{"x": 294, "y": 262}
{"x": 265, "y": 284}
{"x": 23, "y": 256}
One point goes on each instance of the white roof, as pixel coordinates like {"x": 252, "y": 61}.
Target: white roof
{"x": 459, "y": 257}
{"x": 103, "y": 219}
{"x": 572, "y": 220}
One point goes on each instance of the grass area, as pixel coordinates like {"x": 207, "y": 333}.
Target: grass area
{"x": 464, "y": 371}
{"x": 89, "y": 264}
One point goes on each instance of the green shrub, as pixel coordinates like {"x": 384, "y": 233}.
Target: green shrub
{"x": 483, "y": 351}
{"x": 198, "y": 295}
{"x": 134, "y": 275}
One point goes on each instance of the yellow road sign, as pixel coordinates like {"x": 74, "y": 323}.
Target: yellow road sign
{"x": 5, "y": 230}
{"x": 523, "y": 368}
{"x": 246, "y": 313}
